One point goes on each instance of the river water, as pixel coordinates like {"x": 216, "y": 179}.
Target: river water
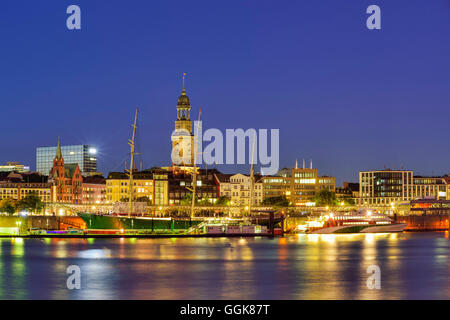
{"x": 411, "y": 265}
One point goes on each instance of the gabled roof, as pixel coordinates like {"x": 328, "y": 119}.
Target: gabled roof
{"x": 223, "y": 177}
{"x": 94, "y": 180}
{"x": 69, "y": 169}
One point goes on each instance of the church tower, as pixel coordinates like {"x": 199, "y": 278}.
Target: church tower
{"x": 183, "y": 137}
{"x": 58, "y": 162}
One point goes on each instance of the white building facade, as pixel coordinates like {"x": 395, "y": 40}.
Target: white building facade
{"x": 237, "y": 188}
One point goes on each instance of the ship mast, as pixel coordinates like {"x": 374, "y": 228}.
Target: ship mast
{"x": 132, "y": 145}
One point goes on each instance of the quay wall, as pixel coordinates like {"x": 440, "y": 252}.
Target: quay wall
{"x": 415, "y": 222}
{"x": 42, "y": 222}
{"x": 425, "y": 223}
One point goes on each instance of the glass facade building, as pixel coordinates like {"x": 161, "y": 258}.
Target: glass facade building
{"x": 84, "y": 155}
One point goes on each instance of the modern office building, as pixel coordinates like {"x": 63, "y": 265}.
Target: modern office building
{"x": 389, "y": 187}
{"x": 83, "y": 155}
{"x": 299, "y": 185}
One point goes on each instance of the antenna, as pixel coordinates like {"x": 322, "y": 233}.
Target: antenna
{"x": 310, "y": 164}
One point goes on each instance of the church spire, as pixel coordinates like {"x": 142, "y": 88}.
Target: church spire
{"x": 58, "y": 150}
{"x": 183, "y": 92}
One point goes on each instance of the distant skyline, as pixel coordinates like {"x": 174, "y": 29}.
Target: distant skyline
{"x": 349, "y": 98}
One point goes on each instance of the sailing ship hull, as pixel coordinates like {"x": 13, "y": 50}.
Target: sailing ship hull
{"x": 106, "y": 222}
{"x": 110, "y": 222}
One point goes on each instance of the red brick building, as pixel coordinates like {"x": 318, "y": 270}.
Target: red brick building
{"x": 66, "y": 179}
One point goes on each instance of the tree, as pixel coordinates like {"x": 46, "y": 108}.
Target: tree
{"x": 206, "y": 201}
{"x": 223, "y": 201}
{"x": 349, "y": 201}
{"x": 31, "y": 202}
{"x": 144, "y": 199}
{"x": 8, "y": 206}
{"x": 280, "y": 201}
{"x": 325, "y": 198}
{"x": 187, "y": 200}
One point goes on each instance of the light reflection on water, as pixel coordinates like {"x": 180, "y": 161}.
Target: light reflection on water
{"x": 413, "y": 266}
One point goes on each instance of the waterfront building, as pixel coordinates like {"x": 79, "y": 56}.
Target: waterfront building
{"x": 424, "y": 207}
{"x": 94, "y": 190}
{"x": 299, "y": 185}
{"x": 66, "y": 180}
{"x": 389, "y": 187}
{"x": 161, "y": 186}
{"x": 18, "y": 185}
{"x": 83, "y": 155}
{"x": 118, "y": 186}
{"x": 183, "y": 137}
{"x": 237, "y": 188}
{"x": 180, "y": 185}
{"x": 348, "y": 192}
{"x": 14, "y": 166}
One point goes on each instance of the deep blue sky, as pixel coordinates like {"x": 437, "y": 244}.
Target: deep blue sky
{"x": 347, "y": 97}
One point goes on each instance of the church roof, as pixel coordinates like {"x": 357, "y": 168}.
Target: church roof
{"x": 69, "y": 169}
{"x": 183, "y": 100}
{"x": 58, "y": 150}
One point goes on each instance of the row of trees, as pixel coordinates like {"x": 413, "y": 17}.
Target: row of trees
{"x": 221, "y": 201}
{"x": 325, "y": 198}
{"x": 322, "y": 198}
{"x": 31, "y": 203}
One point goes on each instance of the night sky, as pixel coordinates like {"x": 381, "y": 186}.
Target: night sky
{"x": 347, "y": 97}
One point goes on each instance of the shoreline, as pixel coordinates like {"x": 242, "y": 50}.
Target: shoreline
{"x": 156, "y": 236}
{"x": 148, "y": 236}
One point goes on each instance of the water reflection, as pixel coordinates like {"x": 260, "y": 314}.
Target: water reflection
{"x": 313, "y": 266}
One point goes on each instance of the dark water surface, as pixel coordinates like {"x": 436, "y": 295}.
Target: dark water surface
{"x": 412, "y": 265}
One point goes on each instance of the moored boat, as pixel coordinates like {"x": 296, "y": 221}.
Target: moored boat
{"x": 363, "y": 221}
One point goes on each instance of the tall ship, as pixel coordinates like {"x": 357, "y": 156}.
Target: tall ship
{"x": 363, "y": 221}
